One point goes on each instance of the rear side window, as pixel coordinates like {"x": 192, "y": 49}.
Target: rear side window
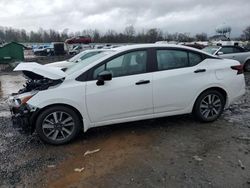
{"x": 173, "y": 59}
{"x": 238, "y": 50}
{"x": 227, "y": 50}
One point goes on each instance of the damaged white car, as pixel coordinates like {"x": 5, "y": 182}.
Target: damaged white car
{"x": 135, "y": 82}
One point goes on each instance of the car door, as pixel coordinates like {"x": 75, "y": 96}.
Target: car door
{"x": 240, "y": 54}
{"x": 233, "y": 52}
{"x": 228, "y": 52}
{"x": 128, "y": 94}
{"x": 179, "y": 78}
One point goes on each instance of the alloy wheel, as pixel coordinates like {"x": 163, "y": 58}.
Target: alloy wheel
{"x": 210, "y": 106}
{"x": 58, "y": 126}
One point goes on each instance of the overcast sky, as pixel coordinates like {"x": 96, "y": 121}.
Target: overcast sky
{"x": 192, "y": 16}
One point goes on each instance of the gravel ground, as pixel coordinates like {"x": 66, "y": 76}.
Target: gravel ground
{"x": 166, "y": 152}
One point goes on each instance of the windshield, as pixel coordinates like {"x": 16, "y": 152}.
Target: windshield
{"x": 211, "y": 49}
{"x": 86, "y": 62}
{"x": 76, "y": 57}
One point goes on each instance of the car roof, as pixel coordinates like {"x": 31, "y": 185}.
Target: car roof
{"x": 138, "y": 46}
{"x": 96, "y": 50}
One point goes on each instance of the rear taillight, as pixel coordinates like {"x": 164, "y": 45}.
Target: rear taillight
{"x": 239, "y": 68}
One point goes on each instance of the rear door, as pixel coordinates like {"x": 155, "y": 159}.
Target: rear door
{"x": 233, "y": 52}
{"x": 228, "y": 52}
{"x": 181, "y": 74}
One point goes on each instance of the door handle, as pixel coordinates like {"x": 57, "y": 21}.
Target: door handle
{"x": 200, "y": 70}
{"x": 142, "y": 82}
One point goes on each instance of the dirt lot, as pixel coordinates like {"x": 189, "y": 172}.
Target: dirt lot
{"x": 166, "y": 152}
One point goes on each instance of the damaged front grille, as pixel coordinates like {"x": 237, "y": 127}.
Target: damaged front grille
{"x": 41, "y": 84}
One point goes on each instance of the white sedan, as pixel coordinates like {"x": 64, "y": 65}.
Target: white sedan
{"x": 76, "y": 59}
{"x": 135, "y": 82}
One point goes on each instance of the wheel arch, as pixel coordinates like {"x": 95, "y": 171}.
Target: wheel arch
{"x": 219, "y": 89}
{"x": 34, "y": 116}
{"x": 246, "y": 62}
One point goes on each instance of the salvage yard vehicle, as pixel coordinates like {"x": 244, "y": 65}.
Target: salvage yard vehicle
{"x": 231, "y": 52}
{"x": 77, "y": 58}
{"x": 136, "y": 82}
{"x": 43, "y": 50}
{"x": 79, "y": 40}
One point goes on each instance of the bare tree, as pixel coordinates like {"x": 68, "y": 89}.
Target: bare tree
{"x": 246, "y": 33}
{"x": 201, "y": 37}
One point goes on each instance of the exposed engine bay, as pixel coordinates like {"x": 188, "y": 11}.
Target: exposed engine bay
{"x": 37, "y": 82}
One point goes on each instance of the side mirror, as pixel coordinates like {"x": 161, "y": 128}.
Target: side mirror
{"x": 102, "y": 77}
{"x": 220, "y": 53}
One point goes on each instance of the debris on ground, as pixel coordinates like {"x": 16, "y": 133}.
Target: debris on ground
{"x": 197, "y": 158}
{"x": 241, "y": 165}
{"x": 91, "y": 152}
{"x": 51, "y": 166}
{"x": 78, "y": 169}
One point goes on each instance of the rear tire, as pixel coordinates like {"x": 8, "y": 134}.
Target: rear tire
{"x": 209, "y": 106}
{"x": 247, "y": 66}
{"x": 58, "y": 125}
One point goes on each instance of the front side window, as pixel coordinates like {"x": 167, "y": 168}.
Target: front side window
{"x": 171, "y": 59}
{"x": 227, "y": 50}
{"x": 124, "y": 65}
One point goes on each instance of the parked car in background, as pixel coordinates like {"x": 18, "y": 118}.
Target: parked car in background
{"x": 194, "y": 45}
{"x": 79, "y": 48}
{"x": 75, "y": 50}
{"x": 79, "y": 58}
{"x": 231, "y": 52}
{"x": 135, "y": 82}
{"x": 43, "y": 50}
{"x": 79, "y": 40}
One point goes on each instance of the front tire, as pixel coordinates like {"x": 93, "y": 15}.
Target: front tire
{"x": 209, "y": 106}
{"x": 58, "y": 125}
{"x": 247, "y": 66}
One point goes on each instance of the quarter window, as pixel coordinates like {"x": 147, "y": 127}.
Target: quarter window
{"x": 124, "y": 65}
{"x": 194, "y": 59}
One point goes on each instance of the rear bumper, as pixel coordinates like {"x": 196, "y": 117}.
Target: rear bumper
{"x": 237, "y": 96}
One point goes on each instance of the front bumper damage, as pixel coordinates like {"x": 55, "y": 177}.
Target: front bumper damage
{"x": 21, "y": 119}
{"x": 22, "y": 116}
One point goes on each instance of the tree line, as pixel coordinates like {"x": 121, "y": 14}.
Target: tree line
{"x": 129, "y": 35}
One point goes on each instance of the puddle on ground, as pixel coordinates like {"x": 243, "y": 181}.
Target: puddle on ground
{"x": 10, "y": 84}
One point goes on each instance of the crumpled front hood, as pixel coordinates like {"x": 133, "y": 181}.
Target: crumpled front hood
{"x": 53, "y": 73}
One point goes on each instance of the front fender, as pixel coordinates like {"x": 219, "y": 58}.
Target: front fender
{"x": 71, "y": 94}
